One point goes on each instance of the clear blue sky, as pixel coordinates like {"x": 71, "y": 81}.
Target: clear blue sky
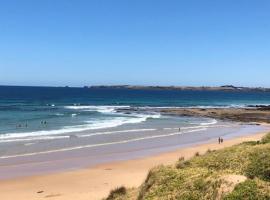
{"x": 145, "y": 42}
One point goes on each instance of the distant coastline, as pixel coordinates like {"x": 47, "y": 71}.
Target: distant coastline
{"x": 157, "y": 87}
{"x": 193, "y": 88}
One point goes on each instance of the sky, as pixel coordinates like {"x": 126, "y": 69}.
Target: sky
{"x": 137, "y": 42}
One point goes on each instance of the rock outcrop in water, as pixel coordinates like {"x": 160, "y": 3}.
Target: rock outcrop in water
{"x": 257, "y": 114}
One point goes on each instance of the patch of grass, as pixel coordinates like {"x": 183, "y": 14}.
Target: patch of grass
{"x": 181, "y": 159}
{"x": 182, "y": 164}
{"x": 149, "y": 182}
{"x": 252, "y": 143}
{"x": 266, "y": 139}
{"x": 131, "y": 193}
{"x": 250, "y": 190}
{"x": 171, "y": 183}
{"x": 233, "y": 159}
{"x": 117, "y": 194}
{"x": 259, "y": 163}
{"x": 246, "y": 159}
{"x": 209, "y": 151}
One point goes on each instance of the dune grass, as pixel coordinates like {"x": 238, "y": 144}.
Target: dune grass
{"x": 250, "y": 189}
{"x": 266, "y": 139}
{"x": 202, "y": 177}
{"x": 171, "y": 183}
{"x": 122, "y": 193}
{"x": 117, "y": 193}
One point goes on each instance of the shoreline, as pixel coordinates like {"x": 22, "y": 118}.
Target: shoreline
{"x": 87, "y": 156}
{"x": 96, "y": 182}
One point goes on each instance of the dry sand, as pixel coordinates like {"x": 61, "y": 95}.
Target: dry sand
{"x": 96, "y": 182}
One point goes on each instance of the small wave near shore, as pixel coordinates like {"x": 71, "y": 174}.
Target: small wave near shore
{"x": 101, "y": 122}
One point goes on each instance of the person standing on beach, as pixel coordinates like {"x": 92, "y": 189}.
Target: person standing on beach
{"x": 219, "y": 140}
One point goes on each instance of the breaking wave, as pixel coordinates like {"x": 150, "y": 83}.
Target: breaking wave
{"x": 89, "y": 125}
{"x": 101, "y": 109}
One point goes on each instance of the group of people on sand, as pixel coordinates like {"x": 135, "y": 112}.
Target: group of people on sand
{"x": 220, "y": 140}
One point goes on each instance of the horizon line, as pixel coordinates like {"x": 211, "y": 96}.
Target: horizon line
{"x": 135, "y": 85}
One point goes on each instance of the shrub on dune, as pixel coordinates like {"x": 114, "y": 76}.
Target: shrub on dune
{"x": 266, "y": 139}
{"x": 117, "y": 193}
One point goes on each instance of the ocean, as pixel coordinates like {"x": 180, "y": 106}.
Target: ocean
{"x": 23, "y": 109}
{"x": 38, "y": 122}
{"x": 42, "y": 111}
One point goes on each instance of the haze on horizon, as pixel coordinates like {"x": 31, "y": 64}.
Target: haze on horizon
{"x": 152, "y": 42}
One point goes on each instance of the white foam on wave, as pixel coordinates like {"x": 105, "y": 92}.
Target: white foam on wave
{"x": 123, "y": 120}
{"x": 59, "y": 114}
{"x": 213, "y": 121}
{"x": 34, "y": 138}
{"x": 29, "y": 144}
{"x": 101, "y": 109}
{"x": 112, "y": 132}
{"x": 79, "y": 136}
{"x": 101, "y": 144}
{"x": 210, "y": 121}
{"x": 90, "y": 125}
{"x": 199, "y": 126}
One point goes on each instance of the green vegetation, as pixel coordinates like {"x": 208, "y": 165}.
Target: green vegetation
{"x": 117, "y": 193}
{"x": 250, "y": 189}
{"x": 259, "y": 163}
{"x": 122, "y": 193}
{"x": 266, "y": 139}
{"x": 171, "y": 183}
{"x": 235, "y": 173}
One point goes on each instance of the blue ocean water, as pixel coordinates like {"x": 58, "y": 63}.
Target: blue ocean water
{"x": 30, "y": 111}
{"x": 67, "y": 128}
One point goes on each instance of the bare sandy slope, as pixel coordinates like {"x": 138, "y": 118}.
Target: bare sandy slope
{"x": 95, "y": 183}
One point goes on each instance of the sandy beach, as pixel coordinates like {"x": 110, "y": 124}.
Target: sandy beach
{"x": 134, "y": 100}
{"x": 96, "y": 182}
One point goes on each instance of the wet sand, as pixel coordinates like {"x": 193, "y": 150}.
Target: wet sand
{"x": 56, "y": 159}
{"x": 96, "y": 182}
